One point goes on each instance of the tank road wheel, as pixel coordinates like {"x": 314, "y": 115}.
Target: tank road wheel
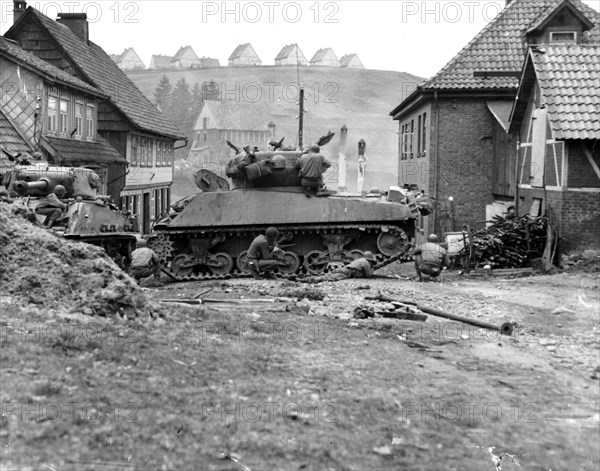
{"x": 356, "y": 254}
{"x": 219, "y": 263}
{"x": 289, "y": 264}
{"x": 316, "y": 262}
{"x": 162, "y": 246}
{"x": 183, "y": 265}
{"x": 392, "y": 243}
{"x": 242, "y": 262}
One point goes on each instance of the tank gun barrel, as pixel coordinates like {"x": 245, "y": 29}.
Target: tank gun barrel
{"x": 22, "y": 186}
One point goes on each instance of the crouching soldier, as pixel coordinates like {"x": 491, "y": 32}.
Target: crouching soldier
{"x": 51, "y": 206}
{"x": 144, "y": 262}
{"x": 262, "y": 253}
{"x": 430, "y": 258}
{"x": 360, "y": 268}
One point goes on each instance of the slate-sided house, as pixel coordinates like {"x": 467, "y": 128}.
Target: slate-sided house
{"x": 557, "y": 118}
{"x": 128, "y": 60}
{"x": 452, "y": 128}
{"x": 244, "y": 54}
{"x": 185, "y": 58}
{"x": 291, "y": 54}
{"x": 47, "y": 110}
{"x": 220, "y": 121}
{"x": 126, "y": 119}
{"x": 158, "y": 61}
{"x": 351, "y": 61}
{"x": 12, "y": 143}
{"x": 325, "y": 57}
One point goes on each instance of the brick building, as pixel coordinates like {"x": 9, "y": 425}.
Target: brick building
{"x": 556, "y": 117}
{"x": 453, "y": 138}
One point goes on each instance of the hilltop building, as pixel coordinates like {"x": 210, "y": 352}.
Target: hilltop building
{"x": 185, "y": 58}
{"x": 291, "y": 55}
{"x": 125, "y": 118}
{"x": 160, "y": 62}
{"x": 352, "y": 61}
{"x": 128, "y": 60}
{"x": 244, "y": 54}
{"x": 325, "y": 57}
{"x": 453, "y": 138}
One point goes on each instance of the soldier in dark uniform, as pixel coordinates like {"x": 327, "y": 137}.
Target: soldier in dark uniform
{"x": 51, "y": 206}
{"x": 360, "y": 268}
{"x": 261, "y": 253}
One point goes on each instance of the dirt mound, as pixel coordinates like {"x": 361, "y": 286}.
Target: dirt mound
{"x": 39, "y": 267}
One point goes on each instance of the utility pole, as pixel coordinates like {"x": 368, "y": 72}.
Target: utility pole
{"x": 362, "y": 165}
{"x": 342, "y": 160}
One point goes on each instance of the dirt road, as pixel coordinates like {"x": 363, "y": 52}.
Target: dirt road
{"x": 294, "y": 383}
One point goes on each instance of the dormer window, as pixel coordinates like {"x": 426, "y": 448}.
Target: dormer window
{"x": 563, "y": 37}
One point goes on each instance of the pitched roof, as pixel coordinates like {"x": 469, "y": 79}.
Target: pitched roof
{"x": 345, "y": 60}
{"x": 539, "y": 23}
{"x": 569, "y": 80}
{"x": 238, "y": 51}
{"x": 286, "y": 51}
{"x": 500, "y": 47}
{"x": 99, "y": 69}
{"x": 321, "y": 53}
{"x": 160, "y": 61}
{"x": 182, "y": 51}
{"x": 241, "y": 116}
{"x": 11, "y": 141}
{"x": 82, "y": 152}
{"x": 14, "y": 52}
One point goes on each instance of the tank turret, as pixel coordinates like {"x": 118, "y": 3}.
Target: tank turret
{"x": 41, "y": 179}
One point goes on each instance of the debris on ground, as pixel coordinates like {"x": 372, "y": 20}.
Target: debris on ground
{"x": 42, "y": 269}
{"x": 312, "y": 294}
{"x": 586, "y": 262}
{"x": 507, "y": 243}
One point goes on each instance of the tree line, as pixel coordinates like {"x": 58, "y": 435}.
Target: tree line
{"x": 182, "y": 104}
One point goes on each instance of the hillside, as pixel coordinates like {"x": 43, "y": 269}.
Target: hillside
{"x": 359, "y": 98}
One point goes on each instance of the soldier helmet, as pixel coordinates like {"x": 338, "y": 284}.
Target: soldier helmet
{"x": 432, "y": 238}
{"x": 271, "y": 233}
{"x": 369, "y": 255}
{"x": 59, "y": 190}
{"x": 315, "y": 149}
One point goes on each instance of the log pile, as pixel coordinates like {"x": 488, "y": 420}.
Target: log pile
{"x": 507, "y": 243}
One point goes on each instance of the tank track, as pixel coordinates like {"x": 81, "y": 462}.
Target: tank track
{"x": 382, "y": 260}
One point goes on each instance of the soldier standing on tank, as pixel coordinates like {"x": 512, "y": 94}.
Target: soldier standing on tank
{"x": 360, "y": 268}
{"x": 51, "y": 206}
{"x": 312, "y": 166}
{"x": 430, "y": 258}
{"x": 144, "y": 262}
{"x": 262, "y": 252}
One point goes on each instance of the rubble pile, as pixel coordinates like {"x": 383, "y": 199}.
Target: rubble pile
{"x": 587, "y": 262}
{"x": 508, "y": 243}
{"x": 41, "y": 268}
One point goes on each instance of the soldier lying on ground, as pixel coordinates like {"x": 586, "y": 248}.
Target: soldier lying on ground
{"x": 430, "y": 258}
{"x": 262, "y": 252}
{"x": 144, "y": 262}
{"x": 359, "y": 268}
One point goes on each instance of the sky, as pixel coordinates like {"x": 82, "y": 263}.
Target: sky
{"x": 418, "y": 37}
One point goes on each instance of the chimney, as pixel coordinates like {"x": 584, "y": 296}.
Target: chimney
{"x": 78, "y": 24}
{"x": 19, "y": 7}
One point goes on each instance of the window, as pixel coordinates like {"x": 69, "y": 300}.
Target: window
{"x": 204, "y": 123}
{"x": 412, "y": 133}
{"x": 563, "y": 37}
{"x": 134, "y": 150}
{"x": 406, "y": 141}
{"x": 89, "y": 122}
{"x": 52, "y": 114}
{"x": 142, "y": 152}
{"x": 423, "y": 150}
{"x": 64, "y": 113}
{"x": 78, "y": 120}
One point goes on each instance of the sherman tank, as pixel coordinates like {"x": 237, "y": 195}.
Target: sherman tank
{"x": 207, "y": 235}
{"x": 89, "y": 217}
